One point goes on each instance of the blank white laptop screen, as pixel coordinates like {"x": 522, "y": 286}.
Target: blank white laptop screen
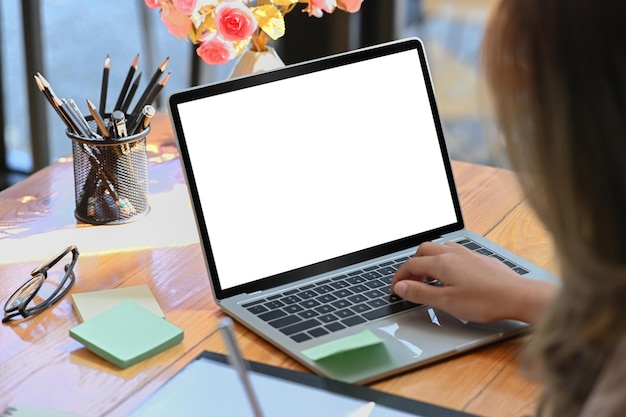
{"x": 309, "y": 168}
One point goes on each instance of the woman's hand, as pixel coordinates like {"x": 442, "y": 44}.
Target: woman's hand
{"x": 474, "y": 287}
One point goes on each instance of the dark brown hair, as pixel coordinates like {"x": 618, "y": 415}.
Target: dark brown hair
{"x": 557, "y": 73}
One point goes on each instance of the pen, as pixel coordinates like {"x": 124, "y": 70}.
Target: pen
{"x": 119, "y": 124}
{"x": 81, "y": 118}
{"x": 79, "y": 127}
{"x": 148, "y": 113}
{"x": 105, "y": 84}
{"x": 236, "y": 361}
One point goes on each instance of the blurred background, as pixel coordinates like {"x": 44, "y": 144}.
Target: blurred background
{"x": 68, "y": 41}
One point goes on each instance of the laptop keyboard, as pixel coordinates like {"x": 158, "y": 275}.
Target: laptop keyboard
{"x": 347, "y": 300}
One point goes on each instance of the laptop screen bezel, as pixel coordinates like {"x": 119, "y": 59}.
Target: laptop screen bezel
{"x": 196, "y": 93}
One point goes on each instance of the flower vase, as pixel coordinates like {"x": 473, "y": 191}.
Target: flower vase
{"x": 251, "y": 62}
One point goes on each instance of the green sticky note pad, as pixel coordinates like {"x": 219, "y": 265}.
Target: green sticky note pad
{"x": 89, "y": 304}
{"x": 346, "y": 344}
{"x": 126, "y": 334}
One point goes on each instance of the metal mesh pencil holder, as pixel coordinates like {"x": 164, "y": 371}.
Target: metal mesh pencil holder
{"x": 110, "y": 178}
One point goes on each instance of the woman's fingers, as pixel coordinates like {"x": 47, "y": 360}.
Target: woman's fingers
{"x": 473, "y": 286}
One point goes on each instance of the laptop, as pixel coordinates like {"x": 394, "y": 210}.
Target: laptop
{"x": 310, "y": 185}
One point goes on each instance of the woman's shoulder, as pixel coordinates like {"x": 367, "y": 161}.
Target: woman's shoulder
{"x": 607, "y": 398}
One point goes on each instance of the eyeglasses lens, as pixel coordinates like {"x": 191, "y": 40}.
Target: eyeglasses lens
{"x": 25, "y": 293}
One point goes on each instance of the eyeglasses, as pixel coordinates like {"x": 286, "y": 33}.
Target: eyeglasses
{"x": 23, "y": 303}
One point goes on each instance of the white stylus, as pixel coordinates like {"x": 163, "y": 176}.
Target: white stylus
{"x": 236, "y": 361}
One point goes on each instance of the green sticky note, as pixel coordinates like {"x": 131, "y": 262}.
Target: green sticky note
{"x": 89, "y": 304}
{"x": 346, "y": 344}
{"x": 126, "y": 334}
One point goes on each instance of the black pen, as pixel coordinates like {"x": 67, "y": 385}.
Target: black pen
{"x": 105, "y": 85}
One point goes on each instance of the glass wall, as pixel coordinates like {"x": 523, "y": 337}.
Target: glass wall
{"x": 78, "y": 35}
{"x": 452, "y": 31}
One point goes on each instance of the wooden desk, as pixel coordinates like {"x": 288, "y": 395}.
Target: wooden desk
{"x": 41, "y": 365}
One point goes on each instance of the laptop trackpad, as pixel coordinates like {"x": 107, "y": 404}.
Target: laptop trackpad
{"x": 416, "y": 337}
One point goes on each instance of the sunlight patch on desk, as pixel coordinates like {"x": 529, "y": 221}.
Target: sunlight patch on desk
{"x": 27, "y": 199}
{"x": 12, "y": 230}
{"x": 157, "y": 156}
{"x": 158, "y": 229}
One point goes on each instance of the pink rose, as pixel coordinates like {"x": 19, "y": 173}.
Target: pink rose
{"x": 317, "y": 8}
{"x": 326, "y": 5}
{"x": 350, "y": 6}
{"x": 234, "y": 21}
{"x": 214, "y": 50}
{"x": 177, "y": 23}
{"x": 184, "y": 6}
{"x": 153, "y": 4}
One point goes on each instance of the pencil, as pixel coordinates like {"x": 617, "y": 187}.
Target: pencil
{"x": 46, "y": 92}
{"x": 131, "y": 94}
{"x": 56, "y": 103}
{"x": 98, "y": 119}
{"x": 157, "y": 89}
{"x": 41, "y": 88}
{"x": 46, "y": 84}
{"x": 127, "y": 81}
{"x": 105, "y": 84}
{"x": 148, "y": 101}
{"x": 155, "y": 78}
{"x": 69, "y": 114}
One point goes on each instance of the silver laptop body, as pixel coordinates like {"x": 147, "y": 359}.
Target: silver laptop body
{"x": 310, "y": 185}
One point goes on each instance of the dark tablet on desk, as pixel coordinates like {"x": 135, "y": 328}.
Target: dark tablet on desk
{"x": 209, "y": 386}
